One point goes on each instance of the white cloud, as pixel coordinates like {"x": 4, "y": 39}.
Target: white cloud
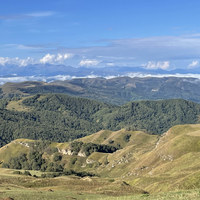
{"x": 24, "y": 47}
{"x": 110, "y": 64}
{"x": 51, "y": 59}
{"x": 16, "y": 61}
{"x": 158, "y": 65}
{"x": 47, "y": 59}
{"x": 61, "y": 57}
{"x": 88, "y": 62}
{"x": 193, "y": 64}
{"x": 27, "y": 15}
{"x": 41, "y": 14}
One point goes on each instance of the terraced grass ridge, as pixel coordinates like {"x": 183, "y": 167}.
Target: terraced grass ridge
{"x": 147, "y": 166}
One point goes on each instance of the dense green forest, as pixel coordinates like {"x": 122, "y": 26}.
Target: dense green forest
{"x": 61, "y": 118}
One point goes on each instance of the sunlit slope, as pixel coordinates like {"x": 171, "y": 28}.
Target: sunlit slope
{"x": 153, "y": 163}
{"x": 135, "y": 138}
{"x": 27, "y": 88}
{"x": 168, "y": 163}
{"x": 173, "y": 164}
{"x": 15, "y": 89}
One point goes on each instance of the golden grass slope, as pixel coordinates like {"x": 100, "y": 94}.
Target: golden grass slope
{"x": 155, "y": 164}
{"x": 14, "y": 88}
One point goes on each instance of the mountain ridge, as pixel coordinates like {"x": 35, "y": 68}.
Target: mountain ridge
{"x": 118, "y": 91}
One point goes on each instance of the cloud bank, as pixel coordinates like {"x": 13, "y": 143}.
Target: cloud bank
{"x": 164, "y": 52}
{"x": 49, "y": 79}
{"x": 47, "y": 59}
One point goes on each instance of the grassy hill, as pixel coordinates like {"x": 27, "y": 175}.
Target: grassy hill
{"x": 154, "y": 163}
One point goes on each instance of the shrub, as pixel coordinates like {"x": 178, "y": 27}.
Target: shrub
{"x": 126, "y": 137}
{"x": 43, "y": 175}
{"x": 27, "y": 173}
{"x": 73, "y": 160}
{"x": 106, "y": 162}
{"x": 57, "y": 157}
{"x": 17, "y": 172}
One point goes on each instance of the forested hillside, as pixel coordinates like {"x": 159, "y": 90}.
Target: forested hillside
{"x": 60, "y": 118}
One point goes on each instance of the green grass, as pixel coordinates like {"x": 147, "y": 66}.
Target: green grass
{"x": 179, "y": 195}
{"x": 38, "y": 194}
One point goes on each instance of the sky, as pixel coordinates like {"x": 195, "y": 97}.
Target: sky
{"x": 153, "y": 34}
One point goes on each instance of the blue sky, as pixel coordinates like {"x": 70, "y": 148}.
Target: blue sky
{"x": 100, "y": 33}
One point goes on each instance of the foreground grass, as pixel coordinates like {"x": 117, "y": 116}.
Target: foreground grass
{"x": 179, "y": 195}
{"x": 20, "y": 187}
{"x": 48, "y": 194}
{"x": 44, "y": 194}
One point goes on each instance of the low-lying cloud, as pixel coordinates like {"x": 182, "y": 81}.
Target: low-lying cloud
{"x": 16, "y": 79}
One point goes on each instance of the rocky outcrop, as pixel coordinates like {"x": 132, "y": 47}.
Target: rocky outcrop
{"x": 81, "y": 154}
{"x": 89, "y": 161}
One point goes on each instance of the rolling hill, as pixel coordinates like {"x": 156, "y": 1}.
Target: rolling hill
{"x": 154, "y": 163}
{"x": 116, "y": 91}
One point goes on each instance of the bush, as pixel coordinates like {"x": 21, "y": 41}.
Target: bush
{"x": 27, "y": 173}
{"x": 73, "y": 160}
{"x": 43, "y": 175}
{"x": 57, "y": 157}
{"x": 126, "y": 137}
{"x": 17, "y": 172}
{"x": 106, "y": 162}
{"x": 5, "y": 165}
{"x": 54, "y": 149}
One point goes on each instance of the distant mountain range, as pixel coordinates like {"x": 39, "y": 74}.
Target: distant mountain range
{"x": 53, "y": 70}
{"x": 116, "y": 91}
